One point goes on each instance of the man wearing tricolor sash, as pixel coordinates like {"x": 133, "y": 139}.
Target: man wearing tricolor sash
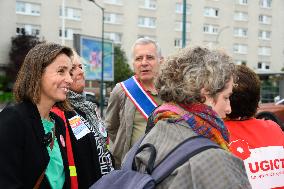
{"x": 132, "y": 101}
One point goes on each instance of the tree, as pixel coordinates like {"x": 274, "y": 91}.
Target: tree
{"x": 20, "y": 46}
{"x": 122, "y": 70}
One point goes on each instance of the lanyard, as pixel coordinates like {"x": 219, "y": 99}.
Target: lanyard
{"x": 72, "y": 167}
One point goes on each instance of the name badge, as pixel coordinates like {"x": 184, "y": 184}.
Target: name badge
{"x": 78, "y": 127}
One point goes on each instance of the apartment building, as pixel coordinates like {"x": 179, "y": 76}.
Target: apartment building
{"x": 251, "y": 31}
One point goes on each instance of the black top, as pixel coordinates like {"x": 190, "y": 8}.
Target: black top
{"x": 85, "y": 155}
{"x": 24, "y": 155}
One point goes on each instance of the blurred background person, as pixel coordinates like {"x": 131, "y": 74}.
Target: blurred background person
{"x": 195, "y": 85}
{"x": 32, "y": 152}
{"x": 132, "y": 101}
{"x": 260, "y": 143}
{"x": 87, "y": 131}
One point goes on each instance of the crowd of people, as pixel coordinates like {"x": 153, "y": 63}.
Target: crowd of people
{"x": 53, "y": 137}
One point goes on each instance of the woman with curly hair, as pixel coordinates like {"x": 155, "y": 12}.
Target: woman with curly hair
{"x": 195, "y": 85}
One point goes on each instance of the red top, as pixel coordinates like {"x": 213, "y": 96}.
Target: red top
{"x": 257, "y": 132}
{"x": 260, "y": 143}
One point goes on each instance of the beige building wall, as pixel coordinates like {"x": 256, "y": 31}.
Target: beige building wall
{"x": 7, "y": 26}
{"x": 123, "y": 26}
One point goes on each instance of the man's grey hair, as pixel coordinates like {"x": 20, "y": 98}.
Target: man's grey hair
{"x": 145, "y": 41}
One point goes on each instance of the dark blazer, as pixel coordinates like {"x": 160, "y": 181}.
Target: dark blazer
{"x": 22, "y": 146}
{"x": 85, "y": 155}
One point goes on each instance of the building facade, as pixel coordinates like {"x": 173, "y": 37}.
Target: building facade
{"x": 251, "y": 31}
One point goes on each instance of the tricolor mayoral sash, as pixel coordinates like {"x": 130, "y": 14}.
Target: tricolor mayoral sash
{"x": 140, "y": 98}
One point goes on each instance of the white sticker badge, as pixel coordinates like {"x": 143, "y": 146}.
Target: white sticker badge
{"x": 78, "y": 127}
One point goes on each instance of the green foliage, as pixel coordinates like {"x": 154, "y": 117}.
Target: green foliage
{"x": 3, "y": 83}
{"x": 5, "y": 94}
{"x": 6, "y": 97}
{"x": 122, "y": 70}
{"x": 20, "y": 46}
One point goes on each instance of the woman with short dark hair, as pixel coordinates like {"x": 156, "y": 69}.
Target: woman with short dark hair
{"x": 258, "y": 142}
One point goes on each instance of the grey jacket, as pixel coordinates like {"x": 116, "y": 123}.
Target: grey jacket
{"x": 210, "y": 169}
{"x": 119, "y": 123}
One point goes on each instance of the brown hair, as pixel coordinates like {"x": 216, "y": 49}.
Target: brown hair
{"x": 246, "y": 94}
{"x": 27, "y": 85}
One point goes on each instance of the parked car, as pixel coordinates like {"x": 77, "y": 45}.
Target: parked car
{"x": 272, "y": 111}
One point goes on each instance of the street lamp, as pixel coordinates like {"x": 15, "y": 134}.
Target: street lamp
{"x": 184, "y": 24}
{"x": 102, "y": 58}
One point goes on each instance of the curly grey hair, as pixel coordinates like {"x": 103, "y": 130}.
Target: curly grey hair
{"x": 185, "y": 73}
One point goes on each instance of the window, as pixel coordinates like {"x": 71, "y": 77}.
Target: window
{"x": 264, "y": 35}
{"x": 113, "y": 18}
{"x": 68, "y": 33}
{"x": 211, "y": 12}
{"x": 147, "y": 22}
{"x": 263, "y": 66}
{"x": 178, "y": 26}
{"x": 240, "y": 32}
{"x": 241, "y": 16}
{"x": 28, "y": 29}
{"x": 20, "y": 7}
{"x": 265, "y": 3}
{"x": 71, "y": 13}
{"x": 178, "y": 43}
{"x": 115, "y": 37}
{"x": 240, "y": 62}
{"x": 240, "y": 49}
{"x": 27, "y": 8}
{"x": 179, "y": 8}
{"x": 264, "y": 19}
{"x": 148, "y": 4}
{"x": 264, "y": 51}
{"x": 114, "y": 2}
{"x": 210, "y": 29}
{"x": 242, "y": 2}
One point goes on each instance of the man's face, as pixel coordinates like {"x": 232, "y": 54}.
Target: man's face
{"x": 146, "y": 62}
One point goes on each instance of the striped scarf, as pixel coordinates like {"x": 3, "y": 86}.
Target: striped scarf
{"x": 199, "y": 117}
{"x": 79, "y": 101}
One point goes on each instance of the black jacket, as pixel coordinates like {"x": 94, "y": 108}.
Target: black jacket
{"x": 22, "y": 146}
{"x": 85, "y": 155}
